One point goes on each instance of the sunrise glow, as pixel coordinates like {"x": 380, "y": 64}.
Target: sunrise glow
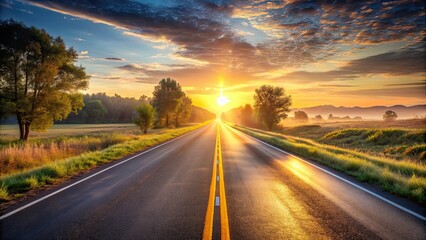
{"x": 222, "y": 100}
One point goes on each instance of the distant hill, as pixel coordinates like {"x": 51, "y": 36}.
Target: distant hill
{"x": 375, "y": 112}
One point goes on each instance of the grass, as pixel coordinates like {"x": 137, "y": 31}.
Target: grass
{"x": 404, "y": 178}
{"x": 9, "y": 133}
{"x": 401, "y": 139}
{"x": 398, "y": 143}
{"x": 19, "y": 156}
{"x": 16, "y": 183}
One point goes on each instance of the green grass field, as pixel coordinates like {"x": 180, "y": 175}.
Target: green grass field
{"x": 403, "y": 177}
{"x": 68, "y": 150}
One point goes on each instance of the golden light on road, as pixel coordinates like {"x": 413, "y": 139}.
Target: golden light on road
{"x": 222, "y": 100}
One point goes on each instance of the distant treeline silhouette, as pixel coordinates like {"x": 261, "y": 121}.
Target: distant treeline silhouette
{"x": 101, "y": 108}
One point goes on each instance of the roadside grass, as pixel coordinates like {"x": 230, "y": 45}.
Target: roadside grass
{"x": 404, "y": 177}
{"x": 20, "y": 156}
{"x": 398, "y": 143}
{"x": 400, "y": 139}
{"x": 9, "y": 133}
{"x": 12, "y": 185}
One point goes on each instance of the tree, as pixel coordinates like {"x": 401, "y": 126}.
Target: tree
{"x": 38, "y": 78}
{"x": 330, "y": 117}
{"x": 247, "y": 115}
{"x": 300, "y": 116}
{"x": 271, "y": 104}
{"x": 166, "y": 98}
{"x": 318, "y": 118}
{"x": 95, "y": 111}
{"x": 146, "y": 116}
{"x": 390, "y": 116}
{"x": 183, "y": 110}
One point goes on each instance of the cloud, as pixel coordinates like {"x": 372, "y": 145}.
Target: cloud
{"x": 296, "y": 32}
{"x": 84, "y": 52}
{"x": 423, "y": 83}
{"x": 407, "y": 61}
{"x": 115, "y": 59}
{"x": 337, "y": 85}
{"x": 79, "y": 39}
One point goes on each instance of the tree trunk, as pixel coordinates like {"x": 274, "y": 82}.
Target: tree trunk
{"x": 167, "y": 120}
{"x": 177, "y": 121}
{"x": 27, "y": 131}
{"x": 21, "y": 126}
{"x": 145, "y": 130}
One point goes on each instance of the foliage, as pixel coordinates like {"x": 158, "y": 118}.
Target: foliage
{"x": 318, "y": 118}
{"x": 390, "y": 115}
{"x": 120, "y": 109}
{"x": 243, "y": 115}
{"x": 166, "y": 98}
{"x": 38, "y": 78}
{"x": 146, "y": 117}
{"x": 271, "y": 104}
{"x": 301, "y": 116}
{"x": 183, "y": 110}
{"x": 95, "y": 111}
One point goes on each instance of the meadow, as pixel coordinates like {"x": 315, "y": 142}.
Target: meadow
{"x": 67, "y": 150}
{"x": 362, "y": 156}
{"x": 401, "y": 139}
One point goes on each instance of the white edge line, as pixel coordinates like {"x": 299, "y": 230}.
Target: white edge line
{"x": 346, "y": 181}
{"x": 84, "y": 179}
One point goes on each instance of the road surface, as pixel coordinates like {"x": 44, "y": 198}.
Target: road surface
{"x": 206, "y": 184}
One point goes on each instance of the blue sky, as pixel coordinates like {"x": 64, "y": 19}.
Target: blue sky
{"x": 322, "y": 52}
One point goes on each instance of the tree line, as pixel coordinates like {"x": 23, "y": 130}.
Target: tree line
{"x": 169, "y": 107}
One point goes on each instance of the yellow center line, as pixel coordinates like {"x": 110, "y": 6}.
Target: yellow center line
{"x": 208, "y": 224}
{"x": 224, "y": 224}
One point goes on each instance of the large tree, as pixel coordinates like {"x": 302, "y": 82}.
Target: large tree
{"x": 271, "y": 104}
{"x": 390, "y": 116}
{"x": 166, "y": 97}
{"x": 38, "y": 78}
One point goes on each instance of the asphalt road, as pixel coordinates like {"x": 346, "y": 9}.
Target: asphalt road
{"x": 164, "y": 194}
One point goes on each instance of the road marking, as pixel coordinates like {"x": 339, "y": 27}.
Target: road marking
{"x": 89, "y": 177}
{"x": 220, "y": 200}
{"x": 208, "y": 224}
{"x": 345, "y": 180}
{"x": 224, "y": 223}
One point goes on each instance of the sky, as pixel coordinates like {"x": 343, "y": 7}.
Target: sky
{"x": 343, "y": 53}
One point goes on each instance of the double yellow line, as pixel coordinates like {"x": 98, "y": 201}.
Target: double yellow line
{"x": 209, "y": 222}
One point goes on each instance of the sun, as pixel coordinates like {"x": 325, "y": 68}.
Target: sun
{"x": 222, "y": 100}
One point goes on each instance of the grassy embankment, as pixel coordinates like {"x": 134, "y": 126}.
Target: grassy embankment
{"x": 46, "y": 160}
{"x": 401, "y": 139}
{"x": 404, "y": 177}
